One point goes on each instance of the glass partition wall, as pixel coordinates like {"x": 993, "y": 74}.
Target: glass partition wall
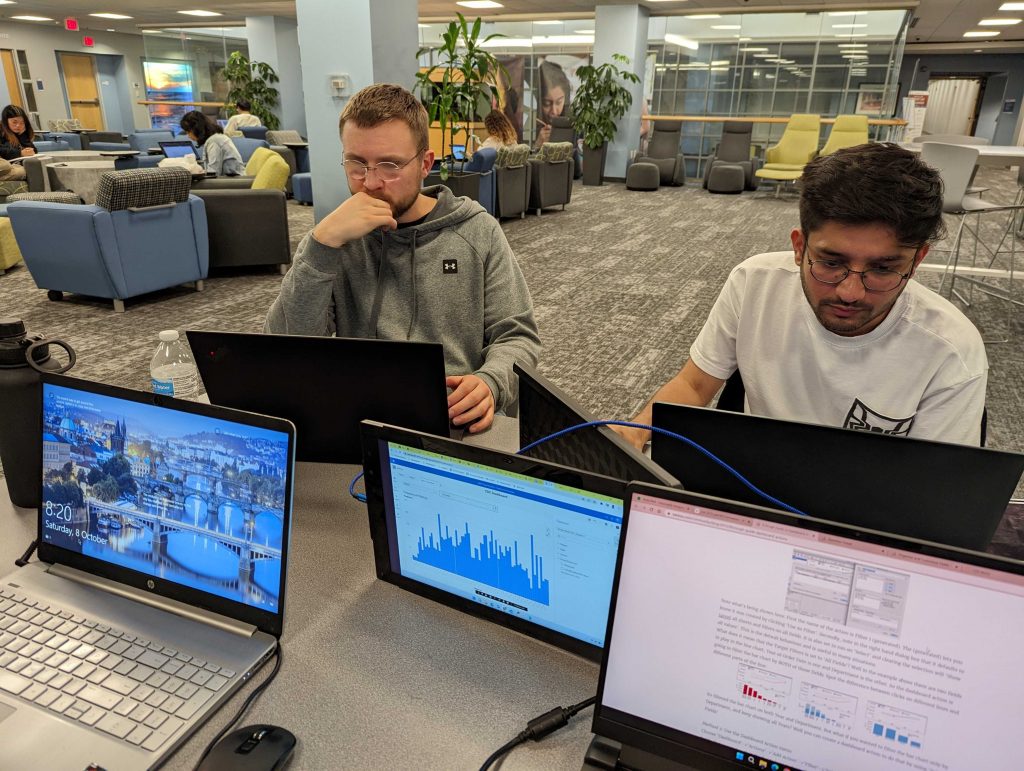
{"x": 182, "y": 71}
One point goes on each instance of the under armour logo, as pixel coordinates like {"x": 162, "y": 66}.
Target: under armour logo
{"x": 449, "y": 266}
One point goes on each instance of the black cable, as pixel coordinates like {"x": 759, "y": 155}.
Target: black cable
{"x": 245, "y": 705}
{"x": 539, "y": 727}
{"x": 22, "y": 561}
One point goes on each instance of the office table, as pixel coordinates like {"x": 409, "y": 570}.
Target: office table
{"x": 375, "y": 677}
{"x": 988, "y": 155}
{"x": 80, "y": 177}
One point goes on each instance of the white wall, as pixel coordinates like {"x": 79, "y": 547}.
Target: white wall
{"x": 41, "y": 44}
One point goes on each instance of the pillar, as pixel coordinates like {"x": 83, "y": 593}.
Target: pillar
{"x": 622, "y": 29}
{"x": 275, "y": 40}
{"x": 367, "y": 42}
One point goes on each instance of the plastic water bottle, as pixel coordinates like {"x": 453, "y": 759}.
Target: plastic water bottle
{"x": 173, "y": 369}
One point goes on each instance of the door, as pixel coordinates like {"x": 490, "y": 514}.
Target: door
{"x": 83, "y": 93}
{"x": 11, "y": 76}
{"x": 952, "y": 105}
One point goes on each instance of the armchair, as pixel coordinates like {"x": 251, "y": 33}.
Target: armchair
{"x": 144, "y": 140}
{"x": 512, "y": 181}
{"x": 847, "y": 131}
{"x": 734, "y": 150}
{"x": 785, "y": 161}
{"x": 562, "y": 131}
{"x": 247, "y": 146}
{"x": 144, "y": 233}
{"x": 104, "y": 140}
{"x": 551, "y": 176}
{"x": 254, "y": 132}
{"x": 482, "y": 163}
{"x": 663, "y": 152}
{"x": 294, "y": 142}
{"x": 246, "y": 227}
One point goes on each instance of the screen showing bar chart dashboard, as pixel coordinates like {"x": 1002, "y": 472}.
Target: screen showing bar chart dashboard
{"x": 533, "y": 549}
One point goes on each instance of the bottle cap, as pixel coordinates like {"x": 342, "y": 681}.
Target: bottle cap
{"x": 169, "y": 335}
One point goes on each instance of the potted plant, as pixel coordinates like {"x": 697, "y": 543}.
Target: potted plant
{"x": 600, "y": 101}
{"x": 252, "y": 81}
{"x": 460, "y": 87}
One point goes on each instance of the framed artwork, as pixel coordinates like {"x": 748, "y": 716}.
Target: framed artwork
{"x": 869, "y": 99}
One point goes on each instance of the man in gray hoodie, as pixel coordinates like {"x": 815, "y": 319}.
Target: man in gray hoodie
{"x": 399, "y": 262}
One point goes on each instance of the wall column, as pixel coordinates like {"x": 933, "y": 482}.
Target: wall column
{"x": 367, "y": 41}
{"x": 622, "y": 29}
{"x": 275, "y": 40}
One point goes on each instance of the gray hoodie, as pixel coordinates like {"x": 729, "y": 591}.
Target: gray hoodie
{"x": 451, "y": 279}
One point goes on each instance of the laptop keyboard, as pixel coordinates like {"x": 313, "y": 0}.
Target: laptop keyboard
{"x": 133, "y": 689}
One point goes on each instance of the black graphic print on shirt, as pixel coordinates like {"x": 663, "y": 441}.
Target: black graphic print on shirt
{"x": 863, "y": 418}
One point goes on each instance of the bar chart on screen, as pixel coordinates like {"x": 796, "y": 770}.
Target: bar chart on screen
{"x": 761, "y": 685}
{"x": 823, "y": 705}
{"x": 895, "y": 725}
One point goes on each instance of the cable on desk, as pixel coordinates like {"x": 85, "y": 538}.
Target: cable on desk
{"x": 679, "y": 437}
{"x": 539, "y": 727}
{"x": 245, "y": 706}
{"x": 352, "y": 488}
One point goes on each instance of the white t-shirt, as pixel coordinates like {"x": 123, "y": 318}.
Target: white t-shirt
{"x": 921, "y": 372}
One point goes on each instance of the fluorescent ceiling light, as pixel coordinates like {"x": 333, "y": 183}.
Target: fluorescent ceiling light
{"x": 998, "y": 22}
{"x": 719, "y": 63}
{"x": 584, "y": 31}
{"x": 848, "y": 26}
{"x": 764, "y": 56}
{"x": 32, "y": 18}
{"x": 982, "y": 33}
{"x": 751, "y": 50}
{"x": 744, "y": 39}
{"x": 6, "y": 2}
{"x": 110, "y": 15}
{"x": 855, "y": 56}
{"x": 1012, "y": 7}
{"x": 852, "y": 45}
{"x": 201, "y": 13}
{"x": 704, "y": 16}
{"x": 111, "y": 30}
{"x": 423, "y": 26}
{"x": 726, "y": 26}
{"x": 846, "y": 13}
{"x": 151, "y": 31}
{"x": 681, "y": 41}
{"x": 849, "y": 35}
{"x": 549, "y": 22}
{"x": 479, "y": 4}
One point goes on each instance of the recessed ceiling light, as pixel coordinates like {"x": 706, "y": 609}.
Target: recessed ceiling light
{"x": 982, "y": 33}
{"x": 110, "y": 15}
{"x": 998, "y": 22}
{"x": 725, "y": 26}
{"x": 848, "y": 26}
{"x": 201, "y": 13}
{"x": 32, "y": 18}
{"x": 1012, "y": 7}
{"x": 704, "y": 16}
{"x": 479, "y": 4}
{"x": 681, "y": 41}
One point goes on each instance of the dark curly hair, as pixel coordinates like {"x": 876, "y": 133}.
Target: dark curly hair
{"x": 880, "y": 184}
{"x": 200, "y": 126}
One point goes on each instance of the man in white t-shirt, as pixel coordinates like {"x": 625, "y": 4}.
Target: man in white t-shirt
{"x": 836, "y": 332}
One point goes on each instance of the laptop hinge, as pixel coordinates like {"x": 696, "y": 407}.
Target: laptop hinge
{"x": 161, "y": 603}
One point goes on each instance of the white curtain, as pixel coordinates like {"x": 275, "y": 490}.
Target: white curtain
{"x": 951, "y": 105}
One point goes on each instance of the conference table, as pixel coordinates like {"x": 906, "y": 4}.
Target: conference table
{"x": 375, "y": 677}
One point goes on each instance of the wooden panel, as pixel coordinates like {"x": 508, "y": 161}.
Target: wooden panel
{"x": 11, "y": 76}
{"x": 479, "y": 129}
{"x": 83, "y": 93}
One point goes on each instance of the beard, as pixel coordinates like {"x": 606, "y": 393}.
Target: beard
{"x": 399, "y": 206}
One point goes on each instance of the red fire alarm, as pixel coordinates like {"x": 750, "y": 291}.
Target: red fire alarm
{"x": 71, "y": 24}
{"x": 88, "y": 41}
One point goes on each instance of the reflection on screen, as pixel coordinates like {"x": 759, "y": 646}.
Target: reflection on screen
{"x": 533, "y": 549}
{"x": 190, "y": 499}
{"x": 178, "y": 151}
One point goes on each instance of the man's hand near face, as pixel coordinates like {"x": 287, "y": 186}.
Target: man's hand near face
{"x": 470, "y": 403}
{"x": 357, "y": 216}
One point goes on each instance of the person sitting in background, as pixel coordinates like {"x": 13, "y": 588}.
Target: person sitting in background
{"x": 16, "y": 134}
{"x": 241, "y": 118}
{"x": 220, "y": 155}
{"x": 501, "y": 132}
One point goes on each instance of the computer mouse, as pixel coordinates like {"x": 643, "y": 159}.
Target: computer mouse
{"x": 252, "y": 748}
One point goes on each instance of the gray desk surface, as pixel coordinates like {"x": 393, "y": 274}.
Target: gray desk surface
{"x": 375, "y": 677}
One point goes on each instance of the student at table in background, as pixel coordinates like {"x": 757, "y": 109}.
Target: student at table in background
{"x": 836, "y": 332}
{"x": 16, "y": 135}
{"x": 241, "y": 118}
{"x": 219, "y": 153}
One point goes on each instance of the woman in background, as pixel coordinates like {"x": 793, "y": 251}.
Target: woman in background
{"x": 219, "y": 153}
{"x": 500, "y": 131}
{"x": 16, "y": 134}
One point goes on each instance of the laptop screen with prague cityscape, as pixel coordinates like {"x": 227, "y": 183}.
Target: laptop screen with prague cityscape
{"x": 191, "y": 499}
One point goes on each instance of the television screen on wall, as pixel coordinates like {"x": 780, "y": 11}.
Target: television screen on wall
{"x": 168, "y": 81}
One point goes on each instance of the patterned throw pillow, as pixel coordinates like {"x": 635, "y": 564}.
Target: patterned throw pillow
{"x": 555, "y": 152}
{"x": 143, "y": 187}
{"x": 12, "y": 187}
{"x": 53, "y": 196}
{"x": 512, "y": 156}
{"x": 286, "y": 136}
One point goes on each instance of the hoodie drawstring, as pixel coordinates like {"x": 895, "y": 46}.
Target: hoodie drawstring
{"x": 415, "y": 297}
{"x": 379, "y": 295}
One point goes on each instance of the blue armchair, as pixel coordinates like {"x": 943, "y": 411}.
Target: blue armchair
{"x": 144, "y": 140}
{"x": 51, "y": 145}
{"x": 73, "y": 140}
{"x": 137, "y": 162}
{"x": 248, "y": 146}
{"x": 253, "y": 132}
{"x": 145, "y": 232}
{"x": 482, "y": 163}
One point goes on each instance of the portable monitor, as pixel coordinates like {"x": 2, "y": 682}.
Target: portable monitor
{"x": 527, "y": 544}
{"x": 744, "y": 637}
{"x": 178, "y": 148}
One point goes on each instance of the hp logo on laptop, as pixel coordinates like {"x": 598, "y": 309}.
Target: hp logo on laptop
{"x": 151, "y": 584}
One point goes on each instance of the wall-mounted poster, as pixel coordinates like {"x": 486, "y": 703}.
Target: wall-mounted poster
{"x": 554, "y": 85}
{"x": 168, "y": 81}
{"x": 869, "y": 99}
{"x": 510, "y": 91}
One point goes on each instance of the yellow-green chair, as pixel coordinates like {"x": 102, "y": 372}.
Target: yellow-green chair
{"x": 269, "y": 170}
{"x": 785, "y": 161}
{"x": 847, "y": 131}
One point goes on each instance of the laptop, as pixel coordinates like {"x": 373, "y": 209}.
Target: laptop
{"x": 544, "y": 409}
{"x": 178, "y": 148}
{"x": 949, "y": 493}
{"x": 744, "y": 637}
{"x": 141, "y": 617}
{"x": 326, "y": 385}
{"x": 526, "y": 544}
{"x": 459, "y": 152}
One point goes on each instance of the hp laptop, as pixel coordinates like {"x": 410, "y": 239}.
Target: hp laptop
{"x": 741, "y": 637}
{"x": 949, "y": 493}
{"x": 163, "y": 546}
{"x": 527, "y": 544}
{"x": 326, "y": 385}
{"x": 544, "y": 409}
{"x": 178, "y": 148}
{"x": 459, "y": 152}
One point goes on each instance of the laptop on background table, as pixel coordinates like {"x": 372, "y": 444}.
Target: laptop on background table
{"x": 741, "y": 637}
{"x": 949, "y": 493}
{"x": 163, "y": 550}
{"x": 326, "y": 385}
{"x": 178, "y": 148}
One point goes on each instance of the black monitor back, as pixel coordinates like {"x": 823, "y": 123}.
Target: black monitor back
{"x": 326, "y": 385}
{"x": 948, "y": 493}
{"x": 545, "y": 409}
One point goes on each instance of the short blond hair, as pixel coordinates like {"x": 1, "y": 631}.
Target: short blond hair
{"x": 383, "y": 102}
